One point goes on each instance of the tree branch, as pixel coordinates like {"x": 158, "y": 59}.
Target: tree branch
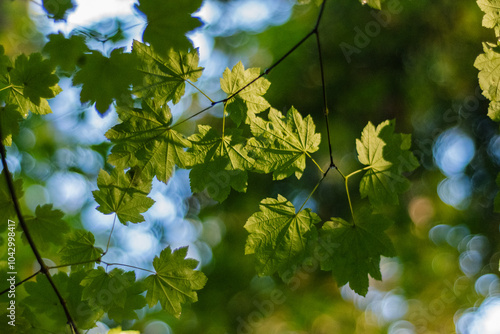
{"x": 43, "y": 267}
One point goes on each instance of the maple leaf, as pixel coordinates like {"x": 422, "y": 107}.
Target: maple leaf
{"x": 9, "y": 121}
{"x": 168, "y": 22}
{"x": 6, "y": 204}
{"x": 122, "y": 293}
{"x": 278, "y": 235}
{"x": 165, "y": 77}
{"x": 491, "y": 18}
{"x": 43, "y": 301}
{"x": 175, "y": 281}
{"x": 64, "y": 52}
{"x": 58, "y": 10}
{"x": 281, "y": 144}
{"x": 80, "y": 251}
{"x": 47, "y": 226}
{"x": 145, "y": 140}
{"x": 105, "y": 79}
{"x": 125, "y": 194}
{"x": 249, "y": 101}
{"x": 29, "y": 84}
{"x": 218, "y": 163}
{"x": 488, "y": 64}
{"x": 358, "y": 251}
{"x": 386, "y": 156}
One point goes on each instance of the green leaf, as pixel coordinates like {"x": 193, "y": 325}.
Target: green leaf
{"x": 116, "y": 292}
{"x": 29, "y": 84}
{"x": 386, "y": 156}
{"x": 491, "y": 18}
{"x": 488, "y": 64}
{"x": 249, "y": 101}
{"x": 106, "y": 79}
{"x": 46, "y": 227}
{"x": 278, "y": 235}
{"x": 219, "y": 163}
{"x": 58, "y": 9}
{"x": 168, "y": 22}
{"x": 43, "y": 301}
{"x": 358, "y": 251}
{"x": 165, "y": 77}
{"x": 145, "y": 140}
{"x": 9, "y": 121}
{"x": 6, "y": 204}
{"x": 125, "y": 194}
{"x": 80, "y": 251}
{"x": 282, "y": 143}
{"x": 64, "y": 52}
{"x": 175, "y": 281}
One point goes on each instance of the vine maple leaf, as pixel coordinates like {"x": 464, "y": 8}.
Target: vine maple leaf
{"x": 145, "y": 140}
{"x": 218, "y": 163}
{"x": 488, "y": 64}
{"x": 249, "y": 101}
{"x": 28, "y": 84}
{"x": 80, "y": 251}
{"x": 64, "y": 52}
{"x": 125, "y": 194}
{"x": 359, "y": 247}
{"x": 281, "y": 144}
{"x": 105, "y": 79}
{"x": 175, "y": 281}
{"x": 168, "y": 22}
{"x": 278, "y": 235}
{"x": 491, "y": 19}
{"x": 165, "y": 76}
{"x": 123, "y": 293}
{"x": 47, "y": 226}
{"x": 386, "y": 156}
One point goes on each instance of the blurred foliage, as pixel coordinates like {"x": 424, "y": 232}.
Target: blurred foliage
{"x": 412, "y": 62}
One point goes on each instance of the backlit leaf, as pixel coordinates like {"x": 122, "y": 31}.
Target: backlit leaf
{"x": 80, "y": 251}
{"x": 47, "y": 226}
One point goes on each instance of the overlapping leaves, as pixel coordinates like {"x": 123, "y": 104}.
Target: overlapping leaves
{"x": 386, "y": 156}
{"x": 145, "y": 140}
{"x": 249, "y": 99}
{"x": 281, "y": 144}
{"x": 219, "y": 162}
{"x": 278, "y": 235}
{"x": 165, "y": 76}
{"x": 175, "y": 281}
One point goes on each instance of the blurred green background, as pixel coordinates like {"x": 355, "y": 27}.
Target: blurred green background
{"x": 412, "y": 62}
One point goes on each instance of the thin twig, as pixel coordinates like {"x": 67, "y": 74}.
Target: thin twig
{"x": 43, "y": 267}
{"x": 21, "y": 282}
{"x": 128, "y": 265}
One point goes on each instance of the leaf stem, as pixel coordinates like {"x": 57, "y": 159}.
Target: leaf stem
{"x": 346, "y": 178}
{"x": 7, "y": 87}
{"x": 314, "y": 189}
{"x": 110, "y": 233}
{"x": 21, "y": 282}
{"x": 317, "y": 165}
{"x": 127, "y": 265}
{"x": 199, "y": 90}
{"x": 43, "y": 267}
{"x": 76, "y": 263}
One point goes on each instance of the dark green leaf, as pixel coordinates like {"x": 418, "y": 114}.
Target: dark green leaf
{"x": 64, "y": 52}
{"x": 168, "y": 22}
{"x": 9, "y": 120}
{"x": 46, "y": 227}
{"x": 80, "y": 251}
{"x": 6, "y": 204}
{"x": 106, "y": 79}
{"x": 58, "y": 9}
{"x": 358, "y": 250}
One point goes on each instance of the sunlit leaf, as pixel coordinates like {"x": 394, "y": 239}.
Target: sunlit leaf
{"x": 279, "y": 235}
{"x": 488, "y": 64}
